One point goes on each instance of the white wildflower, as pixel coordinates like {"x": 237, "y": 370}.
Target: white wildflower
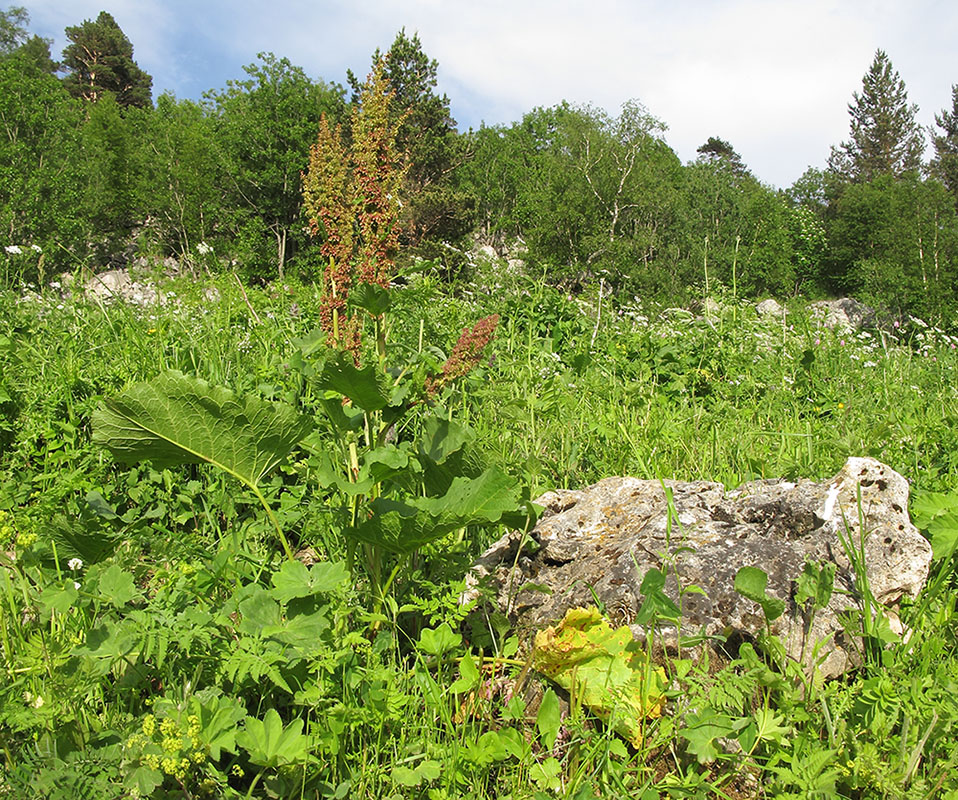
{"x": 13, "y": 249}
{"x": 869, "y": 364}
{"x": 203, "y": 248}
{"x": 36, "y": 248}
{"x": 76, "y": 585}
{"x": 75, "y": 564}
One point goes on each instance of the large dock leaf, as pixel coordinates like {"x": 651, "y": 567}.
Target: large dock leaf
{"x": 177, "y": 419}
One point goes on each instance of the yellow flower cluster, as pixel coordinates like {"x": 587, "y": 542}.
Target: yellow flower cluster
{"x": 175, "y": 752}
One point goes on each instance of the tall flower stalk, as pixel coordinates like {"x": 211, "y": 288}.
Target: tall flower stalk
{"x": 351, "y": 198}
{"x": 397, "y": 487}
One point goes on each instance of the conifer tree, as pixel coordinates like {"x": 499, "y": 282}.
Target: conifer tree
{"x": 945, "y": 163}
{"x": 99, "y": 59}
{"x": 434, "y": 210}
{"x": 885, "y": 138}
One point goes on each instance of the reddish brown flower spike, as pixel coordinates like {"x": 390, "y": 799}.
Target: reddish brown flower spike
{"x": 466, "y": 354}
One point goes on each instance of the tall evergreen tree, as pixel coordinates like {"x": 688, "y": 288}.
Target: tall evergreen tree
{"x": 885, "y": 138}
{"x": 945, "y": 163}
{"x": 99, "y": 59}
{"x": 434, "y": 209}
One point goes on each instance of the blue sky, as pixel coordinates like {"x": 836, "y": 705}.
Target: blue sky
{"x": 773, "y": 77}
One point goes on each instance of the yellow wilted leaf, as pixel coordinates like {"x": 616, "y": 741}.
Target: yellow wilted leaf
{"x": 605, "y": 668}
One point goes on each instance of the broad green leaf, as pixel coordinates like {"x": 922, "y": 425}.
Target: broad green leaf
{"x": 751, "y": 582}
{"x": 99, "y": 506}
{"x": 260, "y": 612}
{"x": 943, "y": 530}
{"x": 404, "y": 526}
{"x": 703, "y": 728}
{"x": 176, "y": 419}
{"x": 545, "y": 775}
{"x": 294, "y": 579}
{"x": 110, "y": 640}
{"x": 117, "y": 586}
{"x": 144, "y": 780}
{"x": 314, "y": 340}
{"x": 404, "y": 776}
{"x": 219, "y": 717}
{"x": 548, "y": 719}
{"x": 443, "y": 437}
{"x": 370, "y": 297}
{"x": 440, "y": 640}
{"x": 926, "y": 506}
{"x": 770, "y": 726}
{"x": 815, "y": 583}
{"x": 330, "y": 477}
{"x": 269, "y": 744}
{"x": 474, "y": 500}
{"x": 656, "y": 604}
{"x": 364, "y": 387}
{"x": 58, "y": 598}
{"x": 603, "y": 667}
{"x": 488, "y": 749}
{"x": 469, "y": 676}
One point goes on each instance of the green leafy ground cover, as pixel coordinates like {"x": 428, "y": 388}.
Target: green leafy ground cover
{"x": 159, "y": 642}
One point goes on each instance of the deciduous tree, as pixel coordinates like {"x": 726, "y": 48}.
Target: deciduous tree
{"x": 264, "y": 127}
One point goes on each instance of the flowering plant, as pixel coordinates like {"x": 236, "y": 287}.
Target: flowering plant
{"x": 396, "y": 490}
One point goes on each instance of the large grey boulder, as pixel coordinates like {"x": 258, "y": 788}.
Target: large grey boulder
{"x": 844, "y": 314}
{"x": 605, "y": 538}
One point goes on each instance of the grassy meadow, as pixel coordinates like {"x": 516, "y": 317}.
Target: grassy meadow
{"x": 158, "y": 642}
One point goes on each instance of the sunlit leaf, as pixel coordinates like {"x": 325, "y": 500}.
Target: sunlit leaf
{"x": 176, "y": 419}
{"x": 604, "y": 667}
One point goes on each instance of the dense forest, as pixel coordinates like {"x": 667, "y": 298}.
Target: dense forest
{"x": 95, "y": 172}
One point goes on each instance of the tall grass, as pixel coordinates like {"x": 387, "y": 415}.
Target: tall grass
{"x": 386, "y": 704}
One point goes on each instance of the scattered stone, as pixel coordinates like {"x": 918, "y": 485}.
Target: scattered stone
{"x": 599, "y": 543}
{"x": 116, "y": 284}
{"x": 712, "y": 307}
{"x": 770, "y": 308}
{"x": 844, "y": 314}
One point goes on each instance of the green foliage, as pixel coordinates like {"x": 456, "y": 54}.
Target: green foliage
{"x": 40, "y": 168}
{"x": 885, "y": 138}
{"x": 188, "y": 639}
{"x": 13, "y": 29}
{"x": 894, "y": 242}
{"x": 944, "y": 165}
{"x": 750, "y": 582}
{"x": 264, "y": 126}
{"x": 99, "y": 61}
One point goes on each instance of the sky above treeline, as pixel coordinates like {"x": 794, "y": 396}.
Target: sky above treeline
{"x": 772, "y": 77}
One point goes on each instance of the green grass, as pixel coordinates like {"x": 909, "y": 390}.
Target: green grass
{"x": 188, "y": 638}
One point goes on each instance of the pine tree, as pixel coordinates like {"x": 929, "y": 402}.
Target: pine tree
{"x": 427, "y": 137}
{"x": 945, "y": 163}
{"x": 99, "y": 59}
{"x": 719, "y": 152}
{"x": 885, "y": 138}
